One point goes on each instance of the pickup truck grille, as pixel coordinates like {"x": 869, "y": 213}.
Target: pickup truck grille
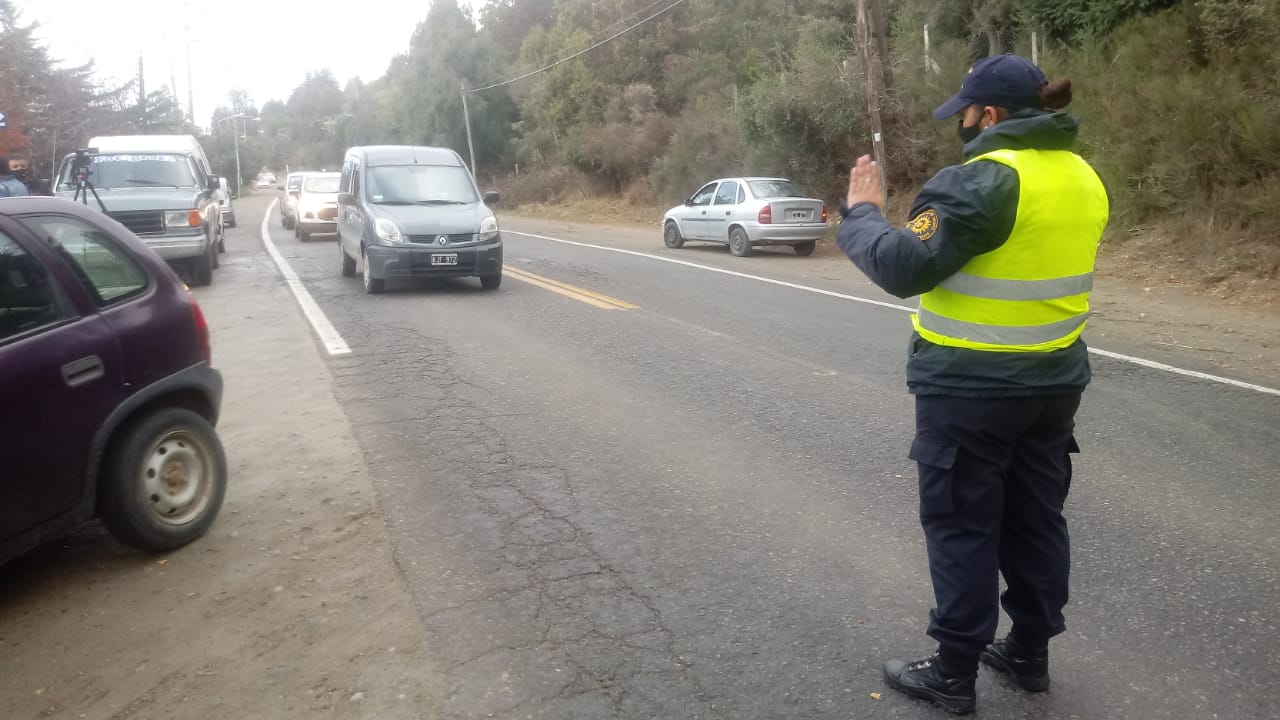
{"x": 141, "y": 222}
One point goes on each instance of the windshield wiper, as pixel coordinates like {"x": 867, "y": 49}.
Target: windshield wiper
{"x": 441, "y": 202}
{"x": 150, "y": 183}
{"x": 395, "y": 202}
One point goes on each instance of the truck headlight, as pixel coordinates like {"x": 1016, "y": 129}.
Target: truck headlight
{"x": 182, "y": 218}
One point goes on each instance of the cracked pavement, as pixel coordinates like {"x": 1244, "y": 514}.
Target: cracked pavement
{"x": 703, "y": 509}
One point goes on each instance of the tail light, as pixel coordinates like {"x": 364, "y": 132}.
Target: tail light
{"x": 202, "y": 329}
{"x": 766, "y": 215}
{"x": 824, "y": 213}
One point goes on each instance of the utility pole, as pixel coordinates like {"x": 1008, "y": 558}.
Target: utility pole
{"x": 142, "y": 93}
{"x": 871, "y": 67}
{"x": 466, "y": 117}
{"x": 235, "y": 135}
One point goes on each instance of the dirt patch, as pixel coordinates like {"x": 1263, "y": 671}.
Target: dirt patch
{"x": 291, "y": 606}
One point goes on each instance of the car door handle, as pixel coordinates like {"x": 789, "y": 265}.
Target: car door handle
{"x": 727, "y": 213}
{"x": 82, "y": 371}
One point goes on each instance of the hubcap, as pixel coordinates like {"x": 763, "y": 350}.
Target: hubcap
{"x": 177, "y": 477}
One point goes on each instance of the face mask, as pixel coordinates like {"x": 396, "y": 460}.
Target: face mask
{"x": 21, "y": 173}
{"x": 967, "y": 134}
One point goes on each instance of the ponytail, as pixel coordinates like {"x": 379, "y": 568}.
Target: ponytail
{"x": 1055, "y": 95}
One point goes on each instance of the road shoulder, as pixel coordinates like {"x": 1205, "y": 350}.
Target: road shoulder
{"x": 291, "y": 606}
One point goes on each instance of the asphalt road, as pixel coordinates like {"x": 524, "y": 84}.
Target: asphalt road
{"x": 696, "y": 503}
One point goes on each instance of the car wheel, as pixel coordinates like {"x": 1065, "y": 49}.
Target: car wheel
{"x": 348, "y": 262}
{"x": 202, "y": 270}
{"x": 304, "y": 235}
{"x": 213, "y": 255}
{"x": 671, "y": 236}
{"x": 232, "y": 223}
{"x": 163, "y": 480}
{"x": 284, "y": 220}
{"x": 290, "y": 223}
{"x": 805, "y": 249}
{"x": 372, "y": 285}
{"x": 491, "y": 282}
{"x": 739, "y": 243}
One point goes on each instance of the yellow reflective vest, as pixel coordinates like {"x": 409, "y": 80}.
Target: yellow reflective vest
{"x": 1031, "y": 294}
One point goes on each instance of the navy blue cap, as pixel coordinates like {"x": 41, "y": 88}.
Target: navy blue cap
{"x": 1007, "y": 81}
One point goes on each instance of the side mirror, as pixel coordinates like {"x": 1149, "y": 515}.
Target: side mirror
{"x": 492, "y": 198}
{"x": 688, "y": 202}
{"x": 345, "y": 198}
{"x": 213, "y": 184}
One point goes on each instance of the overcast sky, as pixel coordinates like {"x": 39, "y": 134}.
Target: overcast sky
{"x": 265, "y": 47}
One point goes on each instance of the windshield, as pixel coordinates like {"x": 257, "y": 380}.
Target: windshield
{"x": 775, "y": 189}
{"x": 425, "y": 184}
{"x": 321, "y": 184}
{"x": 140, "y": 170}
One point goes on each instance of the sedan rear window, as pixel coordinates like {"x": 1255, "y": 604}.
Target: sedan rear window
{"x": 108, "y": 272}
{"x": 775, "y": 189}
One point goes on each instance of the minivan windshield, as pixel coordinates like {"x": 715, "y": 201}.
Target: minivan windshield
{"x": 775, "y": 189}
{"x": 420, "y": 185}
{"x": 321, "y": 184}
{"x": 132, "y": 170}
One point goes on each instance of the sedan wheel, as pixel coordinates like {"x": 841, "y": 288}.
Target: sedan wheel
{"x": 805, "y": 249}
{"x": 739, "y": 243}
{"x": 163, "y": 480}
{"x": 671, "y": 236}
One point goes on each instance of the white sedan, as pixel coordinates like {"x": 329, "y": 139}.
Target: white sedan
{"x": 744, "y": 212}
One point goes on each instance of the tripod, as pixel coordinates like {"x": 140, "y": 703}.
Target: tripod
{"x": 84, "y": 187}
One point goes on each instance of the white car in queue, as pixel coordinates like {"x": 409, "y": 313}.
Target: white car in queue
{"x": 746, "y": 212}
{"x": 316, "y": 207}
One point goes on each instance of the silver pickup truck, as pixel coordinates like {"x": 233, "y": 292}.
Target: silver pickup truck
{"x": 159, "y": 186}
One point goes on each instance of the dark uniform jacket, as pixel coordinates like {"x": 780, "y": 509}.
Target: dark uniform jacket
{"x": 976, "y": 205}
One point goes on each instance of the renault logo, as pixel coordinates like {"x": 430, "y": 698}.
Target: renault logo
{"x": 442, "y": 240}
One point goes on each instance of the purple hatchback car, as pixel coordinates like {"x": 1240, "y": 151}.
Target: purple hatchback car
{"x": 107, "y": 397}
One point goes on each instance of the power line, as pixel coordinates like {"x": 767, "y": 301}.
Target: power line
{"x": 580, "y": 53}
{"x": 609, "y": 28}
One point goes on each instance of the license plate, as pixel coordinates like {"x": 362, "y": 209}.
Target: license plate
{"x": 444, "y": 259}
{"x": 801, "y": 214}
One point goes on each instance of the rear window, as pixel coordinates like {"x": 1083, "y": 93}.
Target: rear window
{"x": 134, "y": 170}
{"x": 775, "y": 189}
{"x": 294, "y": 182}
{"x": 322, "y": 184}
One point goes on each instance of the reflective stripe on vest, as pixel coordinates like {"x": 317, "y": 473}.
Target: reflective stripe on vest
{"x": 1031, "y": 294}
{"x": 997, "y": 289}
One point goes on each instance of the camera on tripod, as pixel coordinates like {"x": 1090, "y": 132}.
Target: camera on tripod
{"x": 82, "y": 165}
{"x": 81, "y": 169}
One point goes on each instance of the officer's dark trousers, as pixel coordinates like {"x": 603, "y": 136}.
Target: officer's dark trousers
{"x": 994, "y": 475}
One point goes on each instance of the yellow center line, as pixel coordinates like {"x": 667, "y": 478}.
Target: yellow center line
{"x": 589, "y": 297}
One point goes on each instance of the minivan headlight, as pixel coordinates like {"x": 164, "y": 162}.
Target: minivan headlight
{"x": 388, "y": 232}
{"x": 488, "y": 229}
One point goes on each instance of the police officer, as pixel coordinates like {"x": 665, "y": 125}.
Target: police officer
{"x": 10, "y": 186}
{"x": 1001, "y": 251}
{"x": 20, "y": 168}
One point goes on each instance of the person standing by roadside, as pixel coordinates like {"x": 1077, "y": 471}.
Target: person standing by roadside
{"x": 20, "y": 168}
{"x": 1001, "y": 251}
{"x": 10, "y": 186}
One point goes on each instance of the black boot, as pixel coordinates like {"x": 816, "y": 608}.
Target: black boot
{"x": 928, "y": 680}
{"x": 1028, "y": 667}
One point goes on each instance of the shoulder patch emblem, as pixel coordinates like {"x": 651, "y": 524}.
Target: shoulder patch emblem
{"x": 925, "y": 224}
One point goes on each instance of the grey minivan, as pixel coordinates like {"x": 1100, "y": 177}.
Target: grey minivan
{"x": 415, "y": 212}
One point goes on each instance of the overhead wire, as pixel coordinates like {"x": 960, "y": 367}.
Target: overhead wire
{"x": 580, "y": 53}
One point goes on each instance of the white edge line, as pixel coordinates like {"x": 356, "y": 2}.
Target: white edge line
{"x": 333, "y": 342}
{"x": 1152, "y": 364}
